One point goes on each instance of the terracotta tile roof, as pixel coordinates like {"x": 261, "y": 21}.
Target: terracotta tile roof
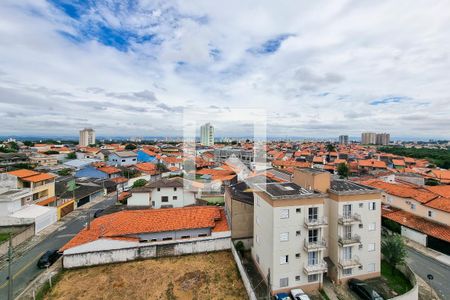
{"x": 148, "y": 152}
{"x": 133, "y": 222}
{"x": 39, "y": 177}
{"x": 109, "y": 170}
{"x": 398, "y": 162}
{"x": 372, "y": 163}
{"x": 401, "y": 190}
{"x": 440, "y": 204}
{"x": 441, "y": 190}
{"x": 46, "y": 201}
{"x": 23, "y": 173}
{"x": 340, "y": 161}
{"x": 119, "y": 179}
{"x": 171, "y": 160}
{"x": 433, "y": 229}
{"x": 318, "y": 159}
{"x": 290, "y": 163}
{"x": 215, "y": 172}
{"x": 123, "y": 196}
{"x": 146, "y": 167}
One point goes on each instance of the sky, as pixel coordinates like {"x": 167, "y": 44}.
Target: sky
{"x": 316, "y": 68}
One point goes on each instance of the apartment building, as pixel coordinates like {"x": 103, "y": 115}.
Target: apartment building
{"x": 315, "y": 227}
{"x": 383, "y": 138}
{"x": 87, "y": 137}
{"x": 368, "y": 138}
{"x": 207, "y": 135}
{"x": 343, "y": 139}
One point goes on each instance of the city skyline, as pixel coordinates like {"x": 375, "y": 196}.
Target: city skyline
{"x": 132, "y": 69}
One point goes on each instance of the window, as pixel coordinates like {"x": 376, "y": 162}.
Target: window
{"x": 313, "y": 213}
{"x": 158, "y": 189}
{"x": 313, "y": 235}
{"x": 284, "y": 259}
{"x": 284, "y": 236}
{"x": 312, "y": 278}
{"x": 313, "y": 258}
{"x": 164, "y": 199}
{"x": 361, "y": 205}
{"x": 347, "y": 232}
{"x": 371, "y": 247}
{"x": 389, "y": 199}
{"x": 413, "y": 206}
{"x": 134, "y": 159}
{"x": 297, "y": 278}
{"x": 297, "y": 255}
{"x": 123, "y": 160}
{"x": 347, "y": 253}
{"x": 298, "y": 210}
{"x": 167, "y": 238}
{"x": 284, "y": 282}
{"x": 360, "y": 225}
{"x": 174, "y": 197}
{"x": 372, "y": 205}
{"x": 371, "y": 226}
{"x": 185, "y": 236}
{"x": 153, "y": 240}
{"x": 153, "y": 203}
{"x": 371, "y": 268}
{"x": 202, "y": 235}
{"x": 298, "y": 233}
{"x": 430, "y": 214}
{"x": 347, "y": 272}
{"x": 347, "y": 208}
{"x": 174, "y": 189}
{"x": 284, "y": 214}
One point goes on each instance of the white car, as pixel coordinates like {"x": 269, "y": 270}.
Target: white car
{"x": 299, "y": 294}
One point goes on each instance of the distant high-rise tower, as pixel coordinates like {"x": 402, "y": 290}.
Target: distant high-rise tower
{"x": 368, "y": 138}
{"x": 87, "y": 137}
{"x": 343, "y": 139}
{"x": 383, "y": 138}
{"x": 207, "y": 135}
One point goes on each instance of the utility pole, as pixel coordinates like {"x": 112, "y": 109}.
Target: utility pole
{"x": 10, "y": 277}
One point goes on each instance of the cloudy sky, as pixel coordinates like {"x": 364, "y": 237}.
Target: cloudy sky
{"x": 318, "y": 68}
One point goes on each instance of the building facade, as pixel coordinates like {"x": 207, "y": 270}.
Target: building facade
{"x": 315, "y": 226}
{"x": 368, "y": 138}
{"x": 343, "y": 139}
{"x": 207, "y": 135}
{"x": 87, "y": 137}
{"x": 383, "y": 138}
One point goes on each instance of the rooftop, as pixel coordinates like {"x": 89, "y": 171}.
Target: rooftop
{"x": 284, "y": 190}
{"x": 349, "y": 186}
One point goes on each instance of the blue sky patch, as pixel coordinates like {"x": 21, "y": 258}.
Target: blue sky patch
{"x": 271, "y": 45}
{"x": 389, "y": 99}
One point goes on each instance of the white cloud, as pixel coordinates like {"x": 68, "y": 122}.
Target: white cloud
{"x": 338, "y": 58}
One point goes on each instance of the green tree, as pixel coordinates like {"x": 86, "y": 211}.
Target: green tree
{"x": 28, "y": 143}
{"x": 71, "y": 155}
{"x": 49, "y": 152}
{"x": 130, "y": 147}
{"x": 139, "y": 183}
{"x": 342, "y": 170}
{"x": 330, "y": 147}
{"x": 14, "y": 146}
{"x": 64, "y": 172}
{"x": 161, "y": 167}
{"x": 393, "y": 249}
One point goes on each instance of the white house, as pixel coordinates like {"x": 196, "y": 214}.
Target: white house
{"x": 166, "y": 192}
{"x": 122, "y": 158}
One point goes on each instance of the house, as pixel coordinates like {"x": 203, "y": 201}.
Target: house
{"x": 163, "y": 193}
{"x": 42, "y": 185}
{"x": 11, "y": 159}
{"x": 145, "y": 155}
{"x": 239, "y": 210}
{"x": 311, "y": 226}
{"x": 147, "y": 168}
{"x": 44, "y": 160}
{"x": 172, "y": 163}
{"x": 137, "y": 234}
{"x": 122, "y": 158}
{"x": 82, "y": 192}
{"x": 106, "y": 172}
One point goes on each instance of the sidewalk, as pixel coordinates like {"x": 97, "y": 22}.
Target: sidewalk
{"x": 445, "y": 259}
{"x": 45, "y": 233}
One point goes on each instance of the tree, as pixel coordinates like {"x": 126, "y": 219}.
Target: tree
{"x": 28, "y": 143}
{"x": 342, "y": 170}
{"x": 49, "y": 152}
{"x": 64, "y": 172}
{"x": 71, "y": 155}
{"x": 393, "y": 249}
{"x": 130, "y": 147}
{"x": 330, "y": 147}
{"x": 161, "y": 167}
{"x": 139, "y": 183}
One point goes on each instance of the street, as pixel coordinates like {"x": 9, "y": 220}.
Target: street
{"x": 423, "y": 265}
{"x": 24, "y": 268}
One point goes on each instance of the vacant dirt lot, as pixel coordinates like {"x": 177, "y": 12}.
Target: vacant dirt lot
{"x": 202, "y": 276}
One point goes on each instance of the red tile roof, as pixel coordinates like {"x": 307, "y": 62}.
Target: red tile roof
{"x": 109, "y": 170}
{"x": 401, "y": 190}
{"x": 440, "y": 204}
{"x": 132, "y": 222}
{"x": 372, "y": 163}
{"x": 23, "y": 173}
{"x": 407, "y": 219}
{"x": 31, "y": 176}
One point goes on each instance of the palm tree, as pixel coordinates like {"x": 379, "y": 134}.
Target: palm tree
{"x": 393, "y": 249}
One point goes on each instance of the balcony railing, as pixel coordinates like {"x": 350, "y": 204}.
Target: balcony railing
{"x": 320, "y": 267}
{"x": 320, "y": 244}
{"x": 349, "y": 240}
{"x": 349, "y": 218}
{"x": 315, "y": 222}
{"x": 349, "y": 263}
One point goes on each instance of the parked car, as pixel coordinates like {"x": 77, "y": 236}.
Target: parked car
{"x": 48, "y": 259}
{"x": 98, "y": 213}
{"x": 299, "y": 294}
{"x": 282, "y": 296}
{"x": 363, "y": 290}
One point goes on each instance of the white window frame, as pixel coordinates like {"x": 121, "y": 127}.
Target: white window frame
{"x": 284, "y": 279}
{"x": 284, "y": 237}
{"x": 371, "y": 247}
{"x": 284, "y": 213}
{"x": 372, "y": 226}
{"x": 372, "y": 205}
{"x": 284, "y": 259}
{"x": 371, "y": 267}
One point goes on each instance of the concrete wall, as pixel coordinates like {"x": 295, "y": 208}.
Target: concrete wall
{"x": 22, "y": 234}
{"x": 244, "y": 277}
{"x": 414, "y": 235}
{"x": 146, "y": 250}
{"x": 412, "y": 294}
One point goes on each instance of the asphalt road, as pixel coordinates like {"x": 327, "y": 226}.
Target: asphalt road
{"x": 24, "y": 268}
{"x": 423, "y": 265}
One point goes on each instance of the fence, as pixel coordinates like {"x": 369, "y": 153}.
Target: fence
{"x": 412, "y": 294}
{"x": 21, "y": 235}
{"x": 153, "y": 250}
{"x": 245, "y": 279}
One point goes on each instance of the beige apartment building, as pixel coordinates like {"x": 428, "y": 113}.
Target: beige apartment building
{"x": 87, "y": 137}
{"x": 315, "y": 227}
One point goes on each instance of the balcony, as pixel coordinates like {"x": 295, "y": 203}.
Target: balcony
{"x": 348, "y": 219}
{"x": 349, "y": 240}
{"x": 320, "y": 267}
{"x": 349, "y": 263}
{"x": 319, "y": 244}
{"x": 311, "y": 223}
